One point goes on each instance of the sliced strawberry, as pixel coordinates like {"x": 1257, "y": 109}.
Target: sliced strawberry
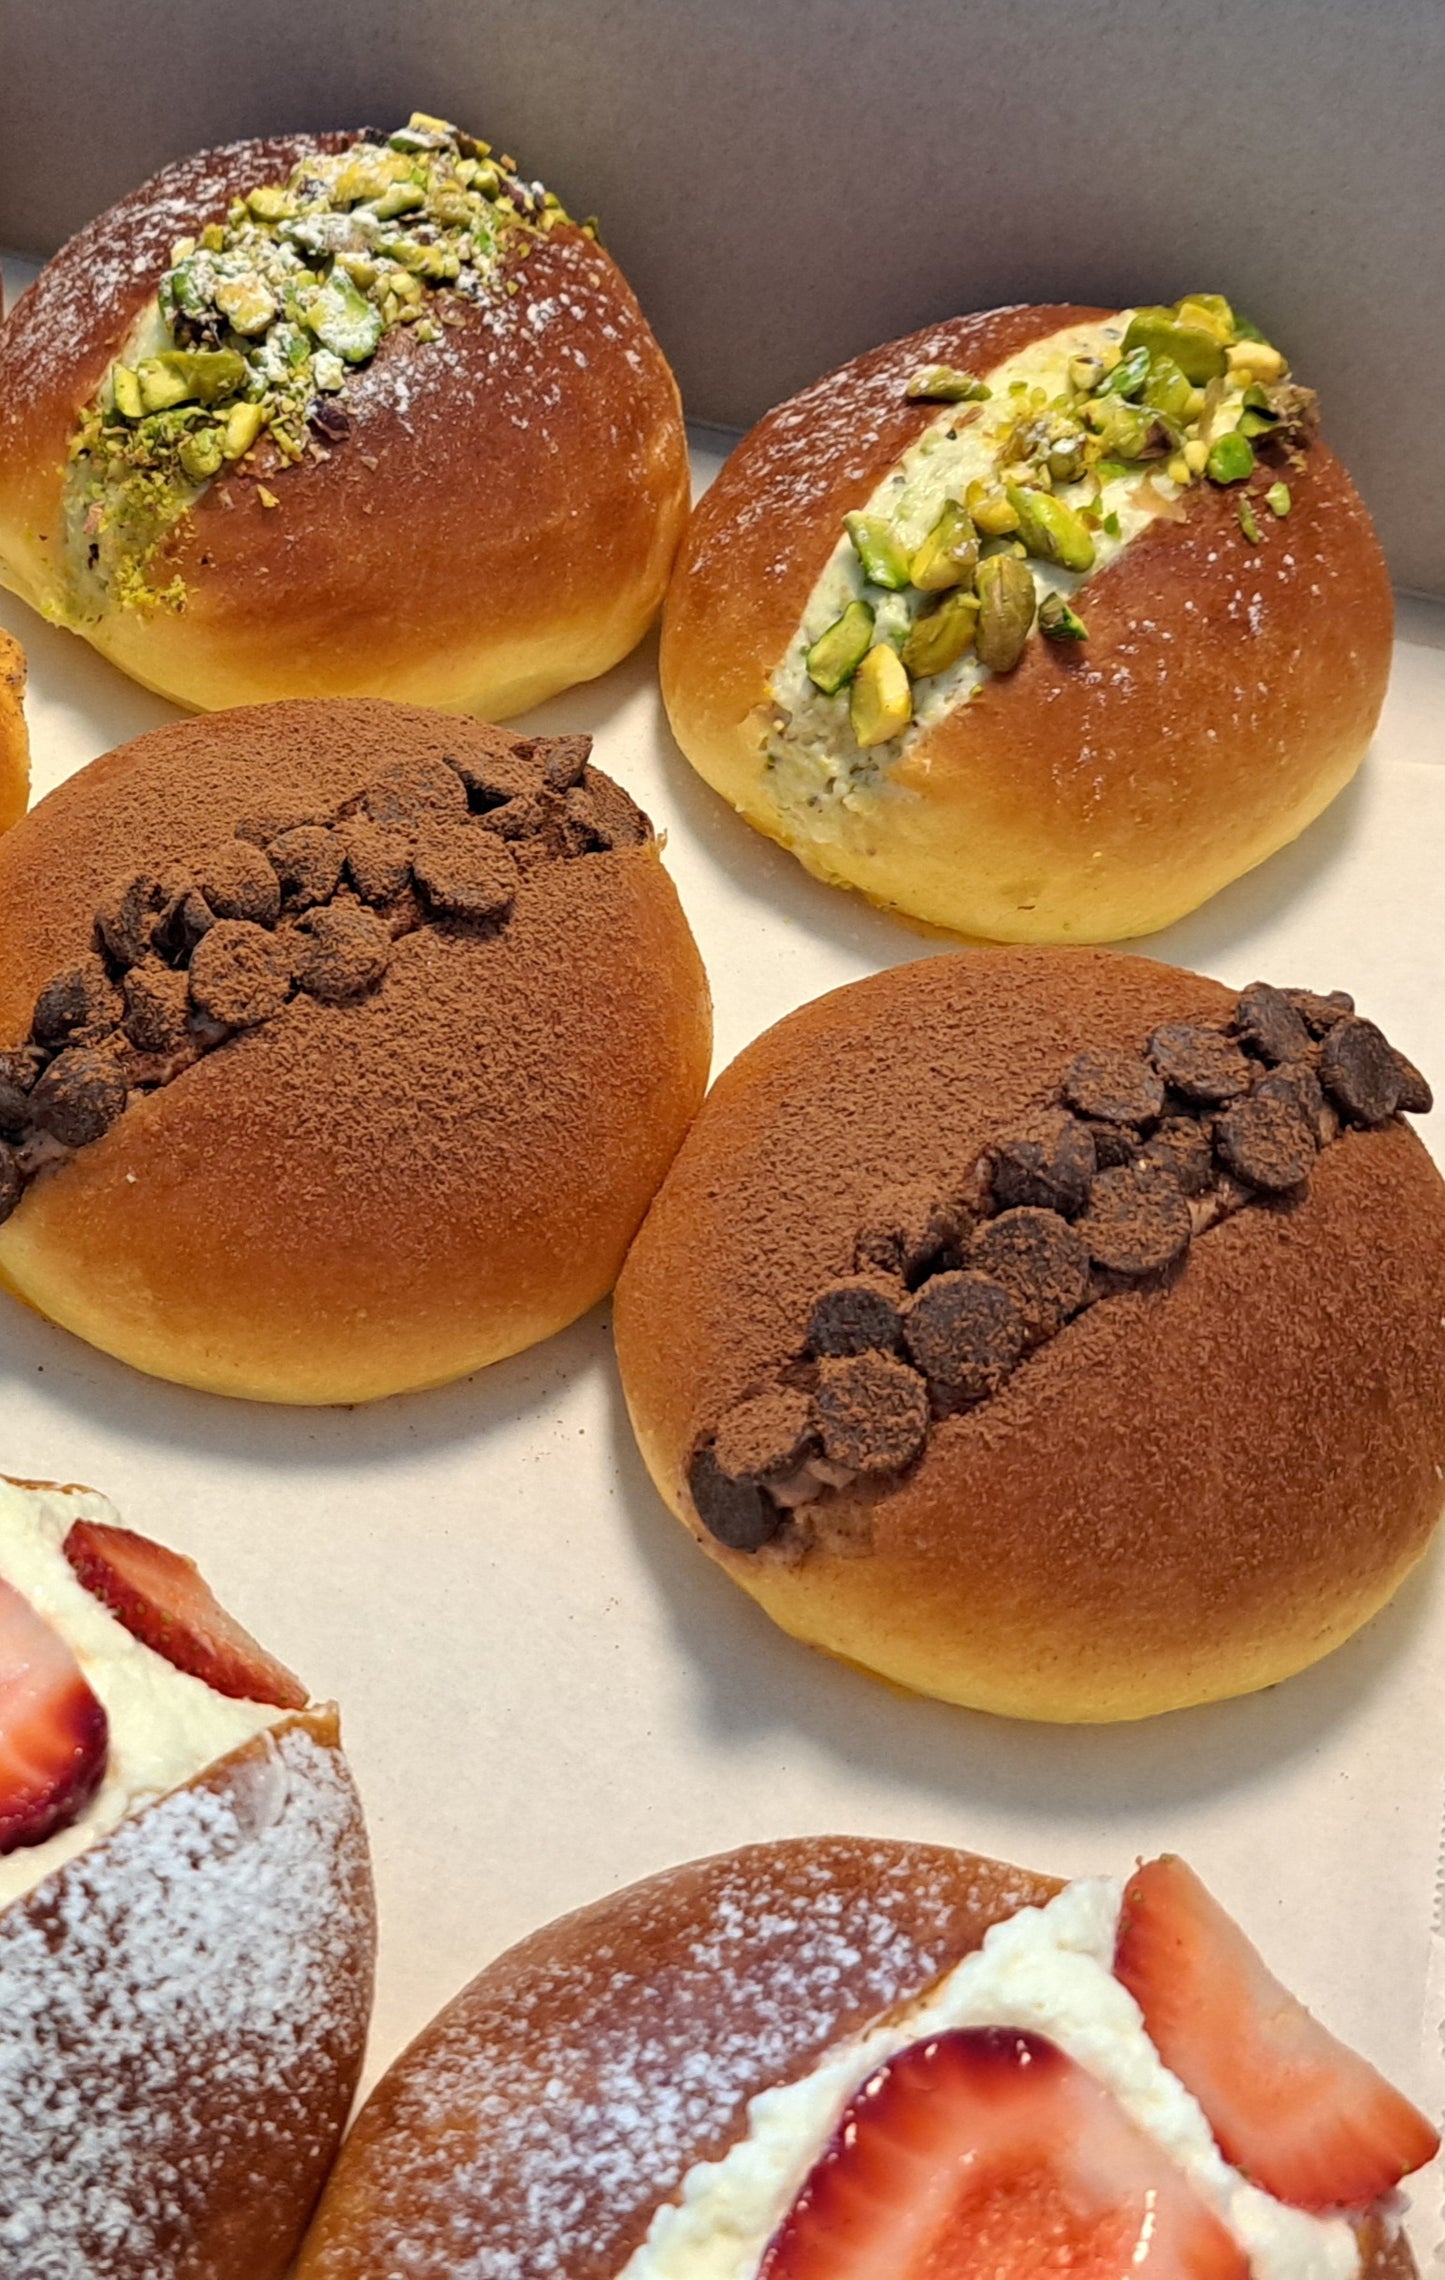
{"x": 165, "y": 1602}
{"x": 53, "y": 1730}
{"x": 1303, "y": 2116}
{"x": 986, "y": 2154}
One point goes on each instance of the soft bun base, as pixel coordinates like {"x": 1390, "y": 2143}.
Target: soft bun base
{"x": 14, "y": 739}
{"x": 1190, "y": 1493}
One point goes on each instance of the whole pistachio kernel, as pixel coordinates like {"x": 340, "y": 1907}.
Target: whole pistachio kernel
{"x": 1278, "y": 500}
{"x": 940, "y": 636}
{"x": 1248, "y": 520}
{"x": 880, "y": 705}
{"x": 877, "y": 547}
{"x": 1006, "y": 612}
{"x": 949, "y": 554}
{"x": 838, "y": 651}
{"x": 946, "y": 384}
{"x": 125, "y": 393}
{"x": 1051, "y": 530}
{"x": 244, "y": 423}
{"x": 1059, "y": 622}
{"x": 1231, "y": 458}
{"x": 1197, "y": 348}
{"x": 988, "y": 505}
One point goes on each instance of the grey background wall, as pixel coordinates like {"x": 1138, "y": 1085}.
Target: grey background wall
{"x": 788, "y": 181}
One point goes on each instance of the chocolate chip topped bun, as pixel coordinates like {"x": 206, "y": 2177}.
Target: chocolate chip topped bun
{"x": 1055, "y": 1333}
{"x": 1041, "y": 625}
{"x": 342, "y": 1046}
{"x": 333, "y": 415}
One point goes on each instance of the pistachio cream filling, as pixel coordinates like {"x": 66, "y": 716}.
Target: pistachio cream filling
{"x": 260, "y": 319}
{"x": 979, "y": 539}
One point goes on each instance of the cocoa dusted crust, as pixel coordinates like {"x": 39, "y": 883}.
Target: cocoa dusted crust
{"x": 1224, "y": 697}
{"x": 354, "y": 1198}
{"x": 1193, "y": 1490}
{"x": 14, "y": 739}
{"x": 513, "y": 536}
{"x": 192, "y": 1994}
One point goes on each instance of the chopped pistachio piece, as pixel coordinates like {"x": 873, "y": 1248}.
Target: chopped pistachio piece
{"x": 1059, "y": 622}
{"x": 125, "y": 392}
{"x": 946, "y": 384}
{"x": 1006, "y": 612}
{"x": 881, "y": 703}
{"x": 1085, "y": 373}
{"x": 1166, "y": 390}
{"x": 1248, "y": 520}
{"x": 1112, "y": 527}
{"x": 1130, "y": 373}
{"x": 877, "y": 547}
{"x": 1196, "y": 453}
{"x": 344, "y": 321}
{"x": 1210, "y": 312}
{"x": 249, "y": 304}
{"x": 989, "y": 507}
{"x": 200, "y": 454}
{"x": 270, "y": 202}
{"x": 397, "y": 198}
{"x": 1231, "y": 458}
{"x": 949, "y": 554}
{"x": 1196, "y": 347}
{"x": 1278, "y": 500}
{"x": 267, "y": 498}
{"x": 1051, "y": 530}
{"x": 1256, "y": 360}
{"x": 838, "y": 652}
{"x": 244, "y": 423}
{"x": 940, "y": 636}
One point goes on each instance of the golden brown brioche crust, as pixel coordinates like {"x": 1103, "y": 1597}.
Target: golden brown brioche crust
{"x": 1190, "y": 1492}
{"x": 192, "y": 1994}
{"x": 359, "y": 1198}
{"x": 1225, "y": 695}
{"x": 14, "y": 738}
{"x": 542, "y": 2109}
{"x": 499, "y": 524}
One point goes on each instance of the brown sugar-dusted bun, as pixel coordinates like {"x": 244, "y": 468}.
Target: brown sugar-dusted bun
{"x": 185, "y": 1963}
{"x": 436, "y": 453}
{"x": 1053, "y": 1332}
{"x": 1200, "y": 693}
{"x": 14, "y": 741}
{"x": 349, "y": 1044}
{"x": 555, "y": 2116}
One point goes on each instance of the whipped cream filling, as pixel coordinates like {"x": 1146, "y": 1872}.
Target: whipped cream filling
{"x": 165, "y": 1726}
{"x": 1048, "y": 1970}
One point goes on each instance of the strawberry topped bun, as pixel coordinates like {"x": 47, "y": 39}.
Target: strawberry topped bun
{"x": 841, "y": 2059}
{"x": 187, "y": 1929}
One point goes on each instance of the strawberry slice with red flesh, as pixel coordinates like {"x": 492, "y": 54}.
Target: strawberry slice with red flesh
{"x": 987, "y": 2154}
{"x": 54, "y": 1735}
{"x": 1298, "y": 2112}
{"x": 164, "y": 1601}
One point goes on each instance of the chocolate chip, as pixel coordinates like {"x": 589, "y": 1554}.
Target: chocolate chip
{"x": 270, "y": 823}
{"x": 1199, "y": 1063}
{"x": 1181, "y": 1148}
{"x": 465, "y": 871}
{"x": 415, "y": 791}
{"x": 493, "y": 778}
{"x": 186, "y": 917}
{"x": 1269, "y": 1025}
{"x": 1048, "y": 1162}
{"x": 1360, "y": 1072}
{"x": 766, "y": 1436}
{"x": 126, "y": 916}
{"x": 12, "y": 1185}
{"x": 872, "y": 1412}
{"x": 1416, "y": 1098}
{"x": 858, "y": 1315}
{"x": 738, "y": 1512}
{"x": 20, "y": 1065}
{"x": 307, "y": 861}
{"x": 238, "y": 882}
{"x": 80, "y": 1003}
{"x": 157, "y": 1007}
{"x": 14, "y": 1107}
{"x": 965, "y": 1333}
{"x": 563, "y": 760}
{"x": 1137, "y": 1221}
{"x": 588, "y": 835}
{"x": 1319, "y": 1014}
{"x": 341, "y": 952}
{"x": 1266, "y": 1143}
{"x": 1113, "y": 1143}
{"x": 240, "y": 974}
{"x": 540, "y": 816}
{"x": 79, "y": 1097}
{"x": 908, "y": 1232}
{"x": 1115, "y": 1088}
{"x": 328, "y": 419}
{"x": 1297, "y": 1085}
{"x": 614, "y": 813}
{"x": 1039, "y": 1260}
{"x": 379, "y": 862}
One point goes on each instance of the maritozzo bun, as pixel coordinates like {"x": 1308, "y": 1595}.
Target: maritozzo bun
{"x": 837, "y": 2056}
{"x": 1057, "y": 1333}
{"x": 334, "y": 415}
{"x": 1040, "y": 625}
{"x": 346, "y": 1046}
{"x": 187, "y": 1927}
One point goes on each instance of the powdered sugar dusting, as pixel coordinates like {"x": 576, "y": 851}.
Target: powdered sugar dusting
{"x": 184, "y": 2008}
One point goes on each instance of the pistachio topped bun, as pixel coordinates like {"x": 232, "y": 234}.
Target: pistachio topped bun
{"x": 1040, "y": 625}
{"x": 342, "y": 1046}
{"x": 341, "y": 415}
{"x": 14, "y": 740}
{"x": 1052, "y": 1332}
